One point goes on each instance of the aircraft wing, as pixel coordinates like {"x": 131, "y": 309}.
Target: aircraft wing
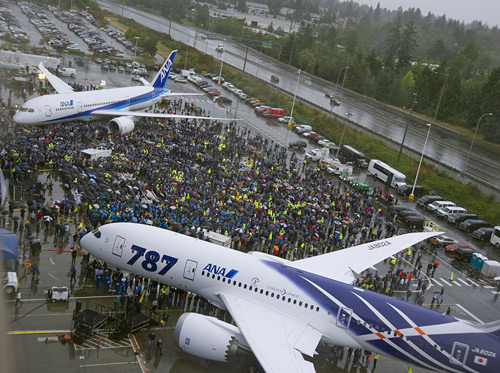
{"x": 184, "y": 94}
{"x": 59, "y": 85}
{"x": 123, "y": 113}
{"x": 344, "y": 264}
{"x": 276, "y": 339}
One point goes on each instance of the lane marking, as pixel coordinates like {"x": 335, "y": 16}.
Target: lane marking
{"x": 469, "y": 313}
{"x": 436, "y": 281}
{"x": 107, "y": 364}
{"x": 473, "y": 282}
{"x": 463, "y": 282}
{"x": 25, "y": 332}
{"x": 446, "y": 281}
{"x": 54, "y": 277}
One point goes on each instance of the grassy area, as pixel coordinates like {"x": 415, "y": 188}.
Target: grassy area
{"x": 464, "y": 195}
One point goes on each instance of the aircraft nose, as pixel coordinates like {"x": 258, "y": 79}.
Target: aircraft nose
{"x": 90, "y": 242}
{"x": 18, "y": 118}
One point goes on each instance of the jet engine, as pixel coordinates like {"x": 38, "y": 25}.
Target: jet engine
{"x": 121, "y": 125}
{"x": 208, "y": 337}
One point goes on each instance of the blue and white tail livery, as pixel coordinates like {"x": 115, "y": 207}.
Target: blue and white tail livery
{"x": 161, "y": 77}
{"x": 120, "y": 106}
{"x": 283, "y": 309}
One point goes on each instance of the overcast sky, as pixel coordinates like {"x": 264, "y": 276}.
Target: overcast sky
{"x": 487, "y": 11}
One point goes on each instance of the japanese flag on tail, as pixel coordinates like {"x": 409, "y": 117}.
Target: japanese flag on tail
{"x": 480, "y": 360}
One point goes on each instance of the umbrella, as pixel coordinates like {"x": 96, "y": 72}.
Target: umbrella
{"x": 223, "y": 212}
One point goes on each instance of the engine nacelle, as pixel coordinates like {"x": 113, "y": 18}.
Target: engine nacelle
{"x": 121, "y": 125}
{"x": 208, "y": 337}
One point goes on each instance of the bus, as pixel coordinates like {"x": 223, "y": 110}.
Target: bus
{"x": 353, "y": 155}
{"x": 495, "y": 237}
{"x": 386, "y": 173}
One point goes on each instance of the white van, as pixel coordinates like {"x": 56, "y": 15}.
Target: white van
{"x": 303, "y": 128}
{"x": 67, "y": 71}
{"x": 436, "y": 205}
{"x": 445, "y": 211}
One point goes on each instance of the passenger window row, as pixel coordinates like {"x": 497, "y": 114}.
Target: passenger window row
{"x": 267, "y": 293}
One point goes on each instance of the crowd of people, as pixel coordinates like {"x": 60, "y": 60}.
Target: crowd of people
{"x": 180, "y": 175}
{"x": 187, "y": 176}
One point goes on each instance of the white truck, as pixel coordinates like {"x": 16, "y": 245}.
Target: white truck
{"x": 337, "y": 168}
{"x": 317, "y": 154}
{"x": 67, "y": 71}
{"x": 10, "y": 282}
{"x": 188, "y": 73}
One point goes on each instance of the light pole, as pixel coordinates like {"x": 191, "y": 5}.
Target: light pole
{"x": 440, "y": 96}
{"x": 338, "y": 78}
{"x": 295, "y": 95}
{"x": 473, "y": 138}
{"x": 411, "y": 196}
{"x": 293, "y": 105}
{"x": 407, "y": 123}
{"x": 347, "y": 115}
{"x": 222, "y": 62}
{"x": 135, "y": 49}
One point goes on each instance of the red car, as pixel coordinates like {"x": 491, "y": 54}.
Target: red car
{"x": 450, "y": 249}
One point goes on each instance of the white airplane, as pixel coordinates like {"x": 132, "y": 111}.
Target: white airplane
{"x": 119, "y": 104}
{"x": 283, "y": 309}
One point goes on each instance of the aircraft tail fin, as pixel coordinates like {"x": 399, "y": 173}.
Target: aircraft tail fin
{"x": 161, "y": 77}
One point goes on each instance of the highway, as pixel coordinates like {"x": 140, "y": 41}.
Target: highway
{"x": 446, "y": 147}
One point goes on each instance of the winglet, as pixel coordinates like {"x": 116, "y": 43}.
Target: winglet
{"x": 59, "y": 85}
{"x": 161, "y": 77}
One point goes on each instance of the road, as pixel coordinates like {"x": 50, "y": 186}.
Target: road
{"x": 484, "y": 163}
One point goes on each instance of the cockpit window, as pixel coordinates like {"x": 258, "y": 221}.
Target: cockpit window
{"x": 25, "y": 109}
{"x": 97, "y": 234}
{"x": 30, "y": 110}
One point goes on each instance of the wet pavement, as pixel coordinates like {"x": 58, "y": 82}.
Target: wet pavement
{"x": 34, "y": 324}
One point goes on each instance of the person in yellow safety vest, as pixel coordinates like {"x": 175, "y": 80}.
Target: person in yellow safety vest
{"x": 408, "y": 253}
{"x": 375, "y": 359}
{"x": 393, "y": 262}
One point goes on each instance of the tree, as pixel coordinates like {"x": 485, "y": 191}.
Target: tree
{"x": 393, "y": 41}
{"x": 201, "y": 15}
{"x": 407, "y": 88}
{"x": 407, "y": 45}
{"x": 242, "y": 6}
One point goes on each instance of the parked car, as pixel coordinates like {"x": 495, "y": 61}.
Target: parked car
{"x": 458, "y": 217}
{"x": 450, "y": 249}
{"x": 471, "y": 225}
{"x": 406, "y": 213}
{"x": 309, "y": 134}
{"x": 406, "y": 189}
{"x": 416, "y": 221}
{"x": 298, "y": 145}
{"x": 180, "y": 79}
{"x": 443, "y": 240}
{"x": 483, "y": 234}
{"x": 436, "y": 205}
{"x": 223, "y": 100}
{"x": 425, "y": 200}
{"x": 395, "y": 209}
{"x": 464, "y": 254}
{"x": 287, "y": 119}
